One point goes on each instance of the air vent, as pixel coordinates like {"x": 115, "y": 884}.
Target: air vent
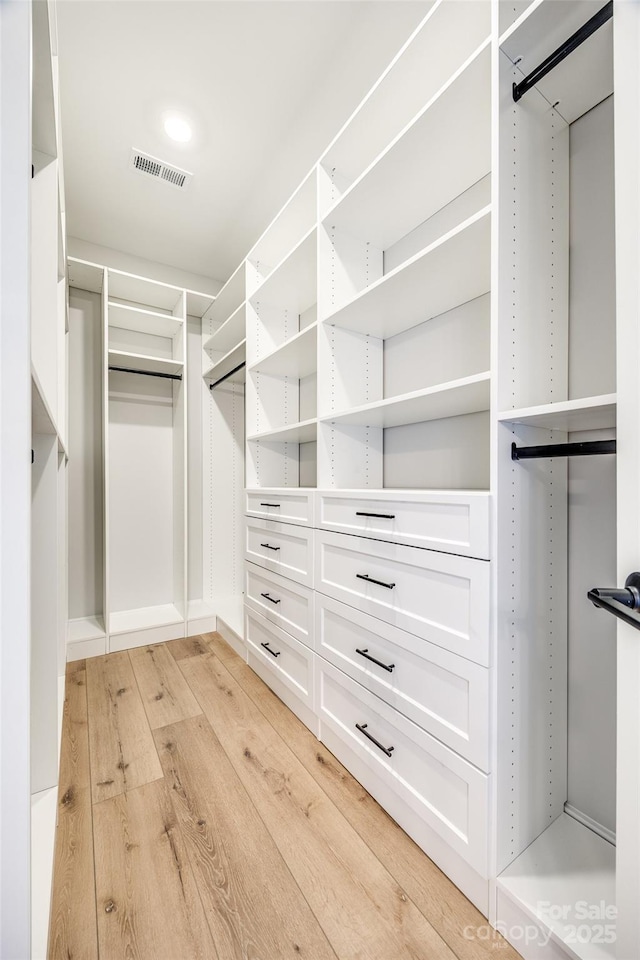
{"x": 159, "y": 170}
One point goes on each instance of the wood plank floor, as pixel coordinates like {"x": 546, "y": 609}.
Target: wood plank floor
{"x": 198, "y": 818}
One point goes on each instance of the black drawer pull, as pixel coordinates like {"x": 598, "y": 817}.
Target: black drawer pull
{"x": 269, "y": 650}
{"x": 267, "y": 597}
{"x": 269, "y": 547}
{"x": 362, "y": 727}
{"x": 365, "y": 576}
{"x": 383, "y": 516}
{"x": 270, "y": 505}
{"x": 365, "y": 653}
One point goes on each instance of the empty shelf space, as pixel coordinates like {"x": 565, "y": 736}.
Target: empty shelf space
{"x": 143, "y": 321}
{"x": 198, "y": 609}
{"x": 589, "y": 413}
{"x": 302, "y": 432}
{"x": 459, "y": 397}
{"x": 126, "y": 621}
{"x": 230, "y": 333}
{"x": 290, "y": 227}
{"x": 445, "y": 150}
{"x": 229, "y": 367}
{"x": 85, "y": 628}
{"x": 293, "y": 282}
{"x": 85, "y": 275}
{"x": 151, "y": 293}
{"x": 198, "y": 303}
{"x": 451, "y": 271}
{"x": 138, "y": 361}
{"x": 296, "y": 357}
{"x": 229, "y": 298}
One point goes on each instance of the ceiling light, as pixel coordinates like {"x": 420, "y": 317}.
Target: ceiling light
{"x": 177, "y": 129}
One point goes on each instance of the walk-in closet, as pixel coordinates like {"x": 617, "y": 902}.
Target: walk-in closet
{"x": 319, "y": 469}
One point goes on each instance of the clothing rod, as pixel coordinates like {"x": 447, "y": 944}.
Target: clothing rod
{"x": 227, "y": 375}
{"x": 589, "y": 448}
{"x": 620, "y": 602}
{"x": 148, "y": 373}
{"x": 583, "y": 33}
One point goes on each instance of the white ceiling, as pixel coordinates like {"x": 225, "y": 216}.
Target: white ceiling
{"x": 265, "y": 83}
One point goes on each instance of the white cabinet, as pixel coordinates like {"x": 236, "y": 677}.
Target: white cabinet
{"x": 282, "y": 505}
{"x": 287, "y": 604}
{"x": 281, "y": 548}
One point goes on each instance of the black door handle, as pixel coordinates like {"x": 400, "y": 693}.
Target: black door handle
{"x": 362, "y": 727}
{"x": 269, "y": 650}
{"x": 269, "y": 547}
{"x": 381, "y": 583}
{"x": 267, "y": 597}
{"x": 365, "y": 653}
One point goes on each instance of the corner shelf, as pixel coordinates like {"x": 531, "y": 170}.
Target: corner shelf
{"x": 303, "y": 432}
{"x": 143, "y": 321}
{"x": 139, "y": 361}
{"x": 429, "y": 284}
{"x": 230, "y": 333}
{"x": 453, "y": 399}
{"x": 229, "y": 298}
{"x": 590, "y": 413}
{"x": 292, "y": 283}
{"x": 227, "y": 364}
{"x": 296, "y": 357}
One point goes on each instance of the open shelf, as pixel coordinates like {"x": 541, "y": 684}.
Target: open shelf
{"x": 443, "y": 152}
{"x": 139, "y": 361}
{"x": 229, "y": 298}
{"x": 227, "y": 366}
{"x": 198, "y": 303}
{"x": 303, "y": 432}
{"x": 143, "y": 321}
{"x": 126, "y": 621}
{"x": 590, "y": 413}
{"x": 199, "y": 609}
{"x": 293, "y": 282}
{"x": 230, "y": 333}
{"x": 296, "y": 357}
{"x": 284, "y": 233}
{"x": 84, "y": 275}
{"x": 568, "y": 865}
{"x": 468, "y": 395}
{"x": 151, "y": 293}
{"x": 86, "y": 628}
{"x": 429, "y": 284}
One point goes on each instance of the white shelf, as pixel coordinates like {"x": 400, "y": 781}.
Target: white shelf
{"x": 229, "y": 363}
{"x": 139, "y": 361}
{"x": 143, "y": 321}
{"x": 229, "y": 298}
{"x": 285, "y": 232}
{"x": 569, "y": 865}
{"x": 302, "y": 432}
{"x": 144, "y": 618}
{"x": 443, "y": 152}
{"x": 85, "y": 628}
{"x": 293, "y": 282}
{"x": 85, "y": 275}
{"x": 468, "y": 395}
{"x": 590, "y": 413}
{"x": 297, "y": 357}
{"x": 451, "y": 271}
{"x": 151, "y": 293}
{"x": 230, "y": 333}
{"x": 198, "y": 303}
{"x": 200, "y": 609}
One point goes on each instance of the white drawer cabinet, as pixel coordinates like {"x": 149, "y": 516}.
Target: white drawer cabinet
{"x": 287, "y": 604}
{"x": 281, "y": 548}
{"x": 445, "y": 694}
{"x": 451, "y": 522}
{"x": 437, "y": 785}
{"x": 285, "y": 664}
{"x": 442, "y": 598}
{"x": 281, "y": 504}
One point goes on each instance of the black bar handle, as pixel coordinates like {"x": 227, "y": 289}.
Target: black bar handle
{"x": 267, "y": 597}
{"x": 147, "y": 373}
{"x": 588, "y": 448}
{"x": 270, "y": 505}
{"x": 383, "y": 516}
{"x": 583, "y": 33}
{"x": 362, "y": 727}
{"x": 269, "y": 650}
{"x": 619, "y": 601}
{"x": 365, "y": 653}
{"x": 269, "y": 547}
{"x": 381, "y": 583}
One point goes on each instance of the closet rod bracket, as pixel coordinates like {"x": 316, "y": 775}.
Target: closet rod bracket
{"x": 618, "y": 601}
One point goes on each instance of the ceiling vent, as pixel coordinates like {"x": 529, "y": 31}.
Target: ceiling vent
{"x": 159, "y": 170}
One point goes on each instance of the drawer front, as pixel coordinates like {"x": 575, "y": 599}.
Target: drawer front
{"x": 281, "y": 548}
{"x": 287, "y": 604}
{"x": 445, "y": 791}
{"x": 444, "y": 694}
{"x": 438, "y": 597}
{"x": 278, "y": 504}
{"x": 453, "y": 523}
{"x": 290, "y": 661}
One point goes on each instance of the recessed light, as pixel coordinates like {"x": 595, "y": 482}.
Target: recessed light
{"x": 178, "y": 129}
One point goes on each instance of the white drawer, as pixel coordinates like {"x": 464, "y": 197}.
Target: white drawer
{"x": 452, "y": 522}
{"x": 287, "y": 604}
{"x": 439, "y": 787}
{"x": 292, "y": 662}
{"x": 281, "y": 548}
{"x": 284, "y": 505}
{"x": 442, "y": 598}
{"x": 445, "y": 694}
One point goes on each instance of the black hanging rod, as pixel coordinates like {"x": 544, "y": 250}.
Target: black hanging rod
{"x": 620, "y": 602}
{"x": 227, "y": 375}
{"x": 583, "y": 33}
{"x": 148, "y": 373}
{"x": 589, "y": 448}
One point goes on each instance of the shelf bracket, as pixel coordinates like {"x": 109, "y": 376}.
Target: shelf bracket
{"x": 588, "y": 448}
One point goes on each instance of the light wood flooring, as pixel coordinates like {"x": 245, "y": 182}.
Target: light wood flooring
{"x": 198, "y": 818}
